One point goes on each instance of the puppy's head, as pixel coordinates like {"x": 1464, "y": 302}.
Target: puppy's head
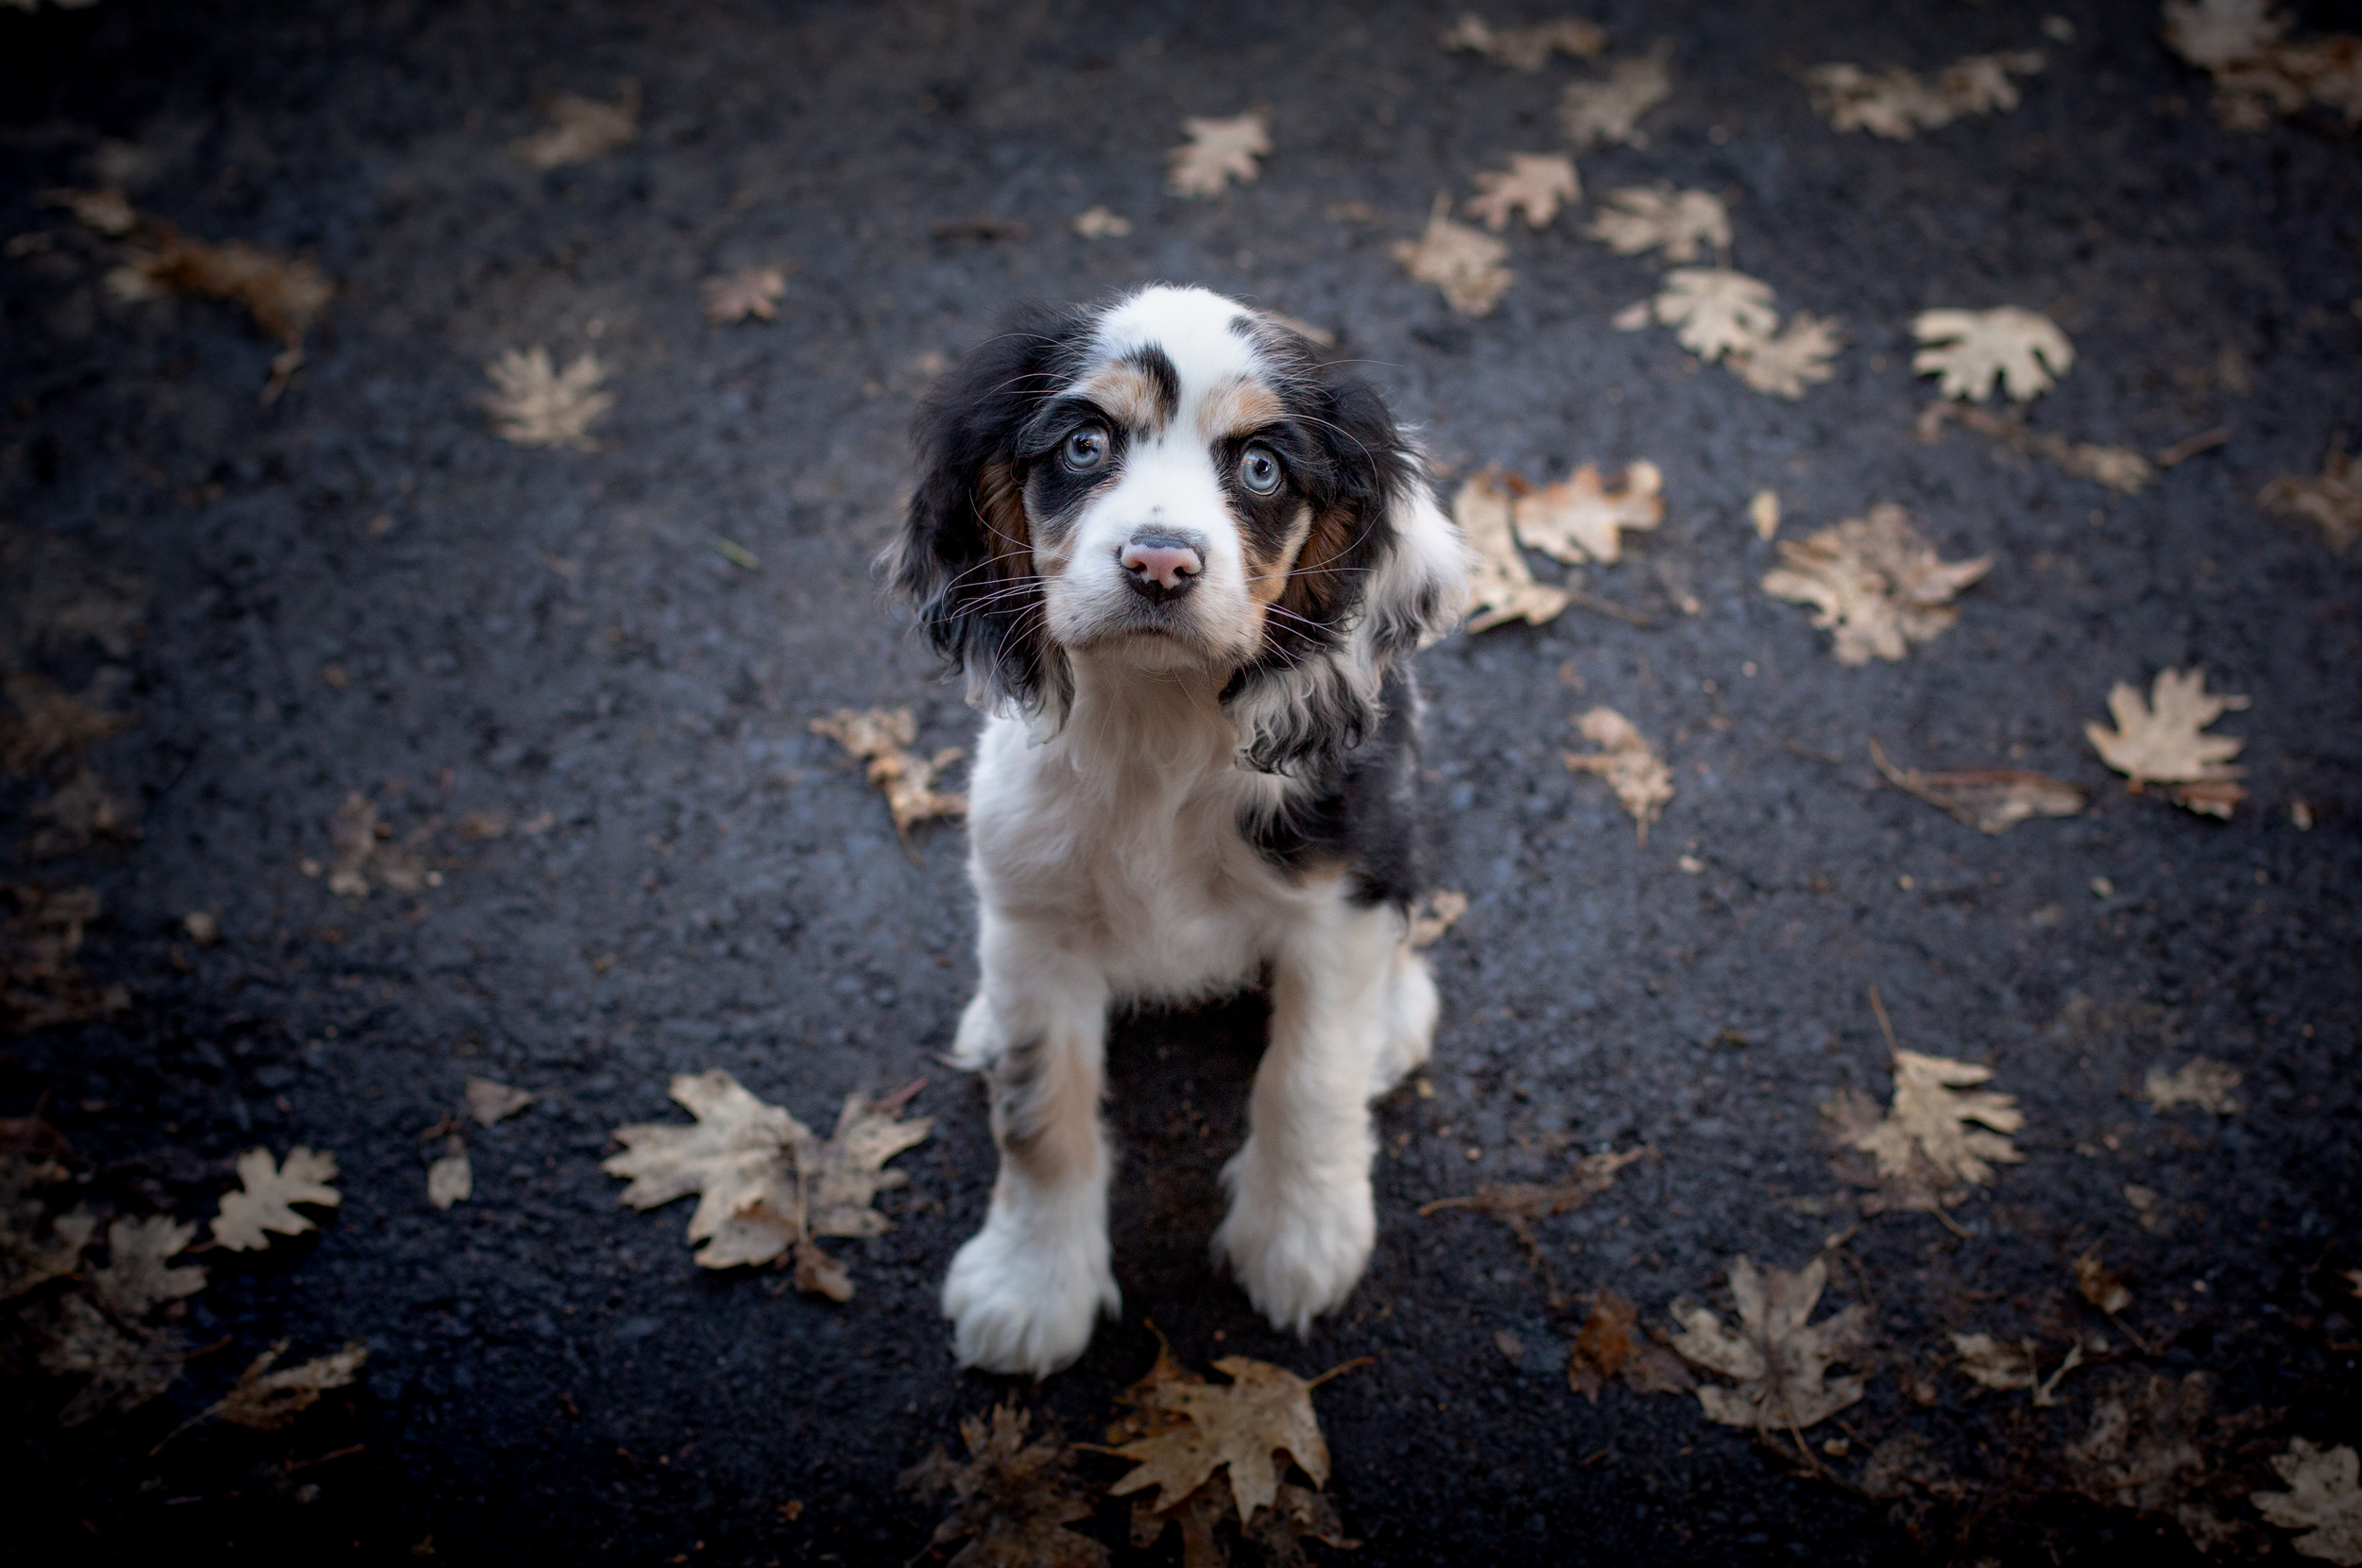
{"x": 1171, "y": 482}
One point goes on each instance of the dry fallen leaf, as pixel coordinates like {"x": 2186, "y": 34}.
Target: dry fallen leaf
{"x": 2204, "y": 1083}
{"x": 124, "y": 1365}
{"x": 450, "y": 1178}
{"x": 138, "y": 1275}
{"x": 1500, "y": 586}
{"x": 2332, "y": 503}
{"x": 1992, "y": 800}
{"x": 362, "y": 850}
{"x": 1876, "y": 584}
{"x": 1992, "y": 1364}
{"x": 1896, "y": 103}
{"x": 267, "y": 1399}
{"x": 1521, "y": 1202}
{"x": 1607, "y": 112}
{"x": 265, "y": 1192}
{"x": 1526, "y": 49}
{"x": 1435, "y": 915}
{"x": 1778, "y": 1360}
{"x": 41, "y": 986}
{"x": 880, "y": 737}
{"x": 534, "y": 404}
{"x": 1013, "y": 1499}
{"x": 581, "y": 128}
{"x": 284, "y": 295}
{"x": 35, "y": 1248}
{"x": 1098, "y": 223}
{"x": 491, "y": 1102}
{"x": 1217, "y": 152}
{"x": 1464, "y": 262}
{"x": 2159, "y": 742}
{"x": 2323, "y": 1500}
{"x": 2102, "y": 1286}
{"x": 2121, "y": 469}
{"x": 46, "y": 723}
{"x": 1534, "y": 183}
{"x": 1971, "y": 351}
{"x": 77, "y": 815}
{"x": 1794, "y": 358}
{"x": 1263, "y": 1410}
{"x": 1928, "y": 1153}
{"x": 1580, "y": 518}
{"x": 2146, "y": 1208}
{"x": 1658, "y": 217}
{"x": 1714, "y": 311}
{"x": 750, "y": 291}
{"x": 2258, "y": 74}
{"x": 1763, "y": 510}
{"x": 2142, "y": 1443}
{"x": 1606, "y": 1346}
{"x": 1631, "y": 766}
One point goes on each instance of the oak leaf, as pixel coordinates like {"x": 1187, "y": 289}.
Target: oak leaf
{"x": 881, "y": 737}
{"x": 1500, "y": 586}
{"x": 1991, "y": 800}
{"x": 1526, "y": 49}
{"x": 1237, "y": 1426}
{"x": 267, "y": 1400}
{"x": 1896, "y": 103}
{"x": 489, "y": 1102}
{"x": 1992, "y": 1364}
{"x": 266, "y": 1191}
{"x": 1641, "y": 218}
{"x": 1534, "y": 183}
{"x": 581, "y": 128}
{"x": 1971, "y": 351}
{"x": 1012, "y": 1497}
{"x": 534, "y": 404}
{"x": 2323, "y": 1500}
{"x": 1580, "y": 518}
{"x": 1778, "y": 1360}
{"x": 1609, "y": 111}
{"x": 1795, "y": 357}
{"x": 1632, "y": 768}
{"x": 1876, "y": 584}
{"x": 2331, "y": 502}
{"x": 1464, "y": 262}
{"x": 1715, "y": 311}
{"x": 1219, "y": 152}
{"x": 2204, "y": 1083}
{"x": 2160, "y": 742}
{"x": 1941, "y": 1137}
{"x": 138, "y": 1275}
{"x": 750, "y": 291}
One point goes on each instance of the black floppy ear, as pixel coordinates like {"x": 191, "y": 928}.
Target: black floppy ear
{"x": 965, "y": 557}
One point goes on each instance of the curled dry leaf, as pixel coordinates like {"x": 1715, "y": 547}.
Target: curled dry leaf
{"x": 1464, "y": 262}
{"x": 1011, "y": 1498}
{"x": 1991, "y": 800}
{"x": 1534, "y": 183}
{"x": 1237, "y": 1427}
{"x": 1217, "y": 152}
{"x": 534, "y": 404}
{"x": 2204, "y": 1083}
{"x": 750, "y": 291}
{"x": 2323, "y": 1500}
{"x": 284, "y": 295}
{"x": 2160, "y": 742}
{"x": 1435, "y": 915}
{"x": 581, "y": 130}
{"x": 491, "y": 1102}
{"x": 2102, "y": 1286}
{"x": 1876, "y": 582}
{"x": 1580, "y": 518}
{"x": 267, "y": 1399}
{"x": 880, "y": 738}
{"x": 1500, "y": 586}
{"x": 266, "y": 1191}
{"x": 1778, "y": 1360}
{"x": 1763, "y": 510}
{"x": 2022, "y": 351}
{"x": 450, "y": 1178}
{"x": 1631, "y": 766}
{"x": 1794, "y": 358}
{"x": 1714, "y": 311}
{"x": 1940, "y": 1137}
{"x": 2332, "y": 503}
{"x": 1603, "y": 112}
{"x": 1680, "y": 224}
{"x": 1526, "y": 49}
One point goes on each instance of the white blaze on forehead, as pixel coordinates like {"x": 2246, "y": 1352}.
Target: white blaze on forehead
{"x": 1192, "y": 328}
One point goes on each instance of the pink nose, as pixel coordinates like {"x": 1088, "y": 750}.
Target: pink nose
{"x": 1161, "y": 563}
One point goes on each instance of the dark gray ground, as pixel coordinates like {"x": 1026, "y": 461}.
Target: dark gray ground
{"x": 552, "y": 632}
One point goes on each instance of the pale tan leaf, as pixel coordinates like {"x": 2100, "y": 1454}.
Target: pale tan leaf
{"x": 1098, "y": 223}
{"x": 1777, "y": 1361}
{"x": 450, "y": 1178}
{"x": 1632, "y": 767}
{"x": 1464, "y": 262}
{"x": 735, "y": 1158}
{"x": 1994, "y": 1365}
{"x": 1714, "y": 311}
{"x": 1991, "y": 800}
{"x": 581, "y": 130}
{"x": 1980, "y": 84}
{"x": 267, "y": 1399}
{"x": 2323, "y": 1500}
{"x": 491, "y": 1102}
{"x": 533, "y": 404}
{"x": 284, "y": 295}
{"x": 1500, "y": 586}
{"x": 2212, "y": 34}
{"x": 2204, "y": 1083}
{"x": 1011, "y": 1499}
{"x": 750, "y": 291}
{"x": 2331, "y": 502}
{"x": 1595, "y": 112}
{"x": 845, "y": 1174}
{"x": 1763, "y": 510}
{"x": 1263, "y": 1410}
{"x": 1533, "y": 183}
{"x": 880, "y": 737}
{"x": 1526, "y": 49}
{"x": 1972, "y": 351}
{"x": 264, "y": 1195}
{"x": 1217, "y": 152}
{"x": 1580, "y": 518}
{"x": 2160, "y": 742}
{"x": 1797, "y": 357}
{"x": 138, "y": 1276}
{"x": 1894, "y": 103}
{"x": 1658, "y": 217}
{"x": 1937, "y": 1139}
{"x": 1876, "y": 584}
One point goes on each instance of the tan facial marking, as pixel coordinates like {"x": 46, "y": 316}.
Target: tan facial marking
{"x": 1129, "y": 396}
{"x": 1237, "y": 407}
{"x": 1267, "y": 575}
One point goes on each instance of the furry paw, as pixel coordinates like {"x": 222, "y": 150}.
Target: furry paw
{"x": 1409, "y": 1022}
{"x": 979, "y": 1042}
{"x": 1298, "y": 1243}
{"x": 1022, "y": 1302}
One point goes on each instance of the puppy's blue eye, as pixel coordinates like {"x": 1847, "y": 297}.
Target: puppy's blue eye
{"x": 1087, "y": 448}
{"x": 1258, "y": 470}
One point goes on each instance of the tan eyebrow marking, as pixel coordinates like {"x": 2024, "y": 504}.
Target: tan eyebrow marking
{"x": 1236, "y": 406}
{"x": 1129, "y": 396}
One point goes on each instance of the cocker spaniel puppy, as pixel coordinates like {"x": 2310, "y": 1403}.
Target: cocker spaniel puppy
{"x": 1185, "y": 569}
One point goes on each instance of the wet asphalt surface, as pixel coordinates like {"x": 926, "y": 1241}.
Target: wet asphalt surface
{"x": 551, "y": 637}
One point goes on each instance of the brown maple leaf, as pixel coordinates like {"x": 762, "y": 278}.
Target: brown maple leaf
{"x": 1534, "y": 183}
{"x": 750, "y": 291}
{"x": 1778, "y": 1360}
{"x": 1217, "y": 152}
{"x": 265, "y": 1193}
{"x": 581, "y": 130}
{"x": 1940, "y": 1137}
{"x": 2159, "y": 742}
{"x": 2323, "y": 1499}
{"x": 1237, "y": 1427}
{"x": 1631, "y": 766}
{"x": 1582, "y": 519}
{"x": 1973, "y": 351}
{"x": 1641, "y": 218}
{"x": 1607, "y": 112}
{"x": 266, "y": 1401}
{"x": 1500, "y": 586}
{"x": 1876, "y": 583}
{"x": 1013, "y": 1499}
{"x": 2331, "y": 502}
{"x": 2258, "y": 71}
{"x": 1526, "y": 49}
{"x": 881, "y": 737}
{"x": 534, "y": 404}
{"x": 1464, "y": 262}
{"x": 1991, "y": 800}
{"x": 1992, "y": 1364}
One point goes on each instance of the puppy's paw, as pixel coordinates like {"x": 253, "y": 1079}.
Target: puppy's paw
{"x": 1409, "y": 1021}
{"x": 1017, "y": 1305}
{"x": 978, "y": 1041}
{"x": 1297, "y": 1243}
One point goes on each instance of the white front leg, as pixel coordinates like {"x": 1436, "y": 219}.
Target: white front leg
{"x": 1025, "y": 1291}
{"x": 1302, "y": 1219}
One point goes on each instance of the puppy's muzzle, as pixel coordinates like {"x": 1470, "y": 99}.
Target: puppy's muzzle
{"x": 1162, "y": 567}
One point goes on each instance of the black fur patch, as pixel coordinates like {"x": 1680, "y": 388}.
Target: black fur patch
{"x": 1363, "y": 813}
